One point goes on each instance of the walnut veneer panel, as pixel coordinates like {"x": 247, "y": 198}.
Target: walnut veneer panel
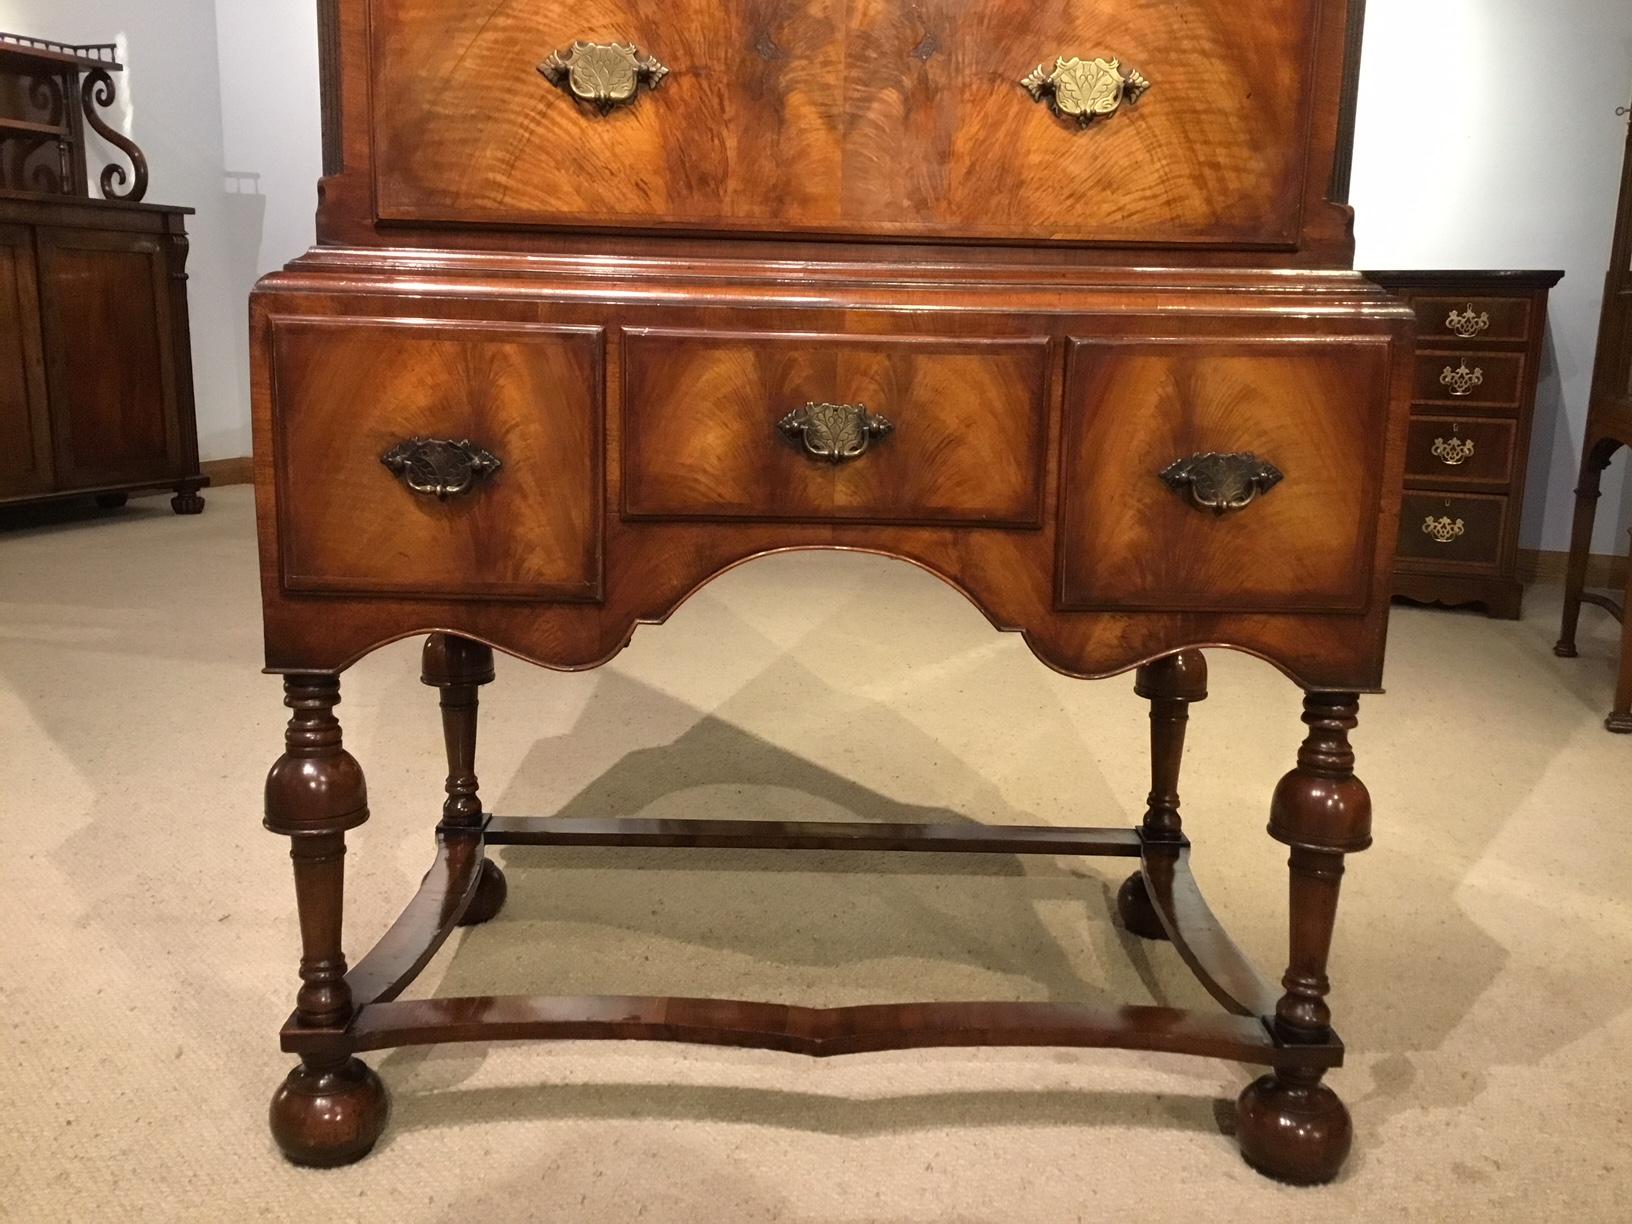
{"x": 1127, "y": 540}
{"x": 348, "y": 391}
{"x": 967, "y": 444}
{"x": 878, "y": 117}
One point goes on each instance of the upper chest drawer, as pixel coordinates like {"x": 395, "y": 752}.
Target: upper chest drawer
{"x": 889, "y": 118}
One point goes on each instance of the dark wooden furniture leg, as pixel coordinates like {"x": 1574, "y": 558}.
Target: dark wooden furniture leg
{"x": 1620, "y": 718}
{"x": 188, "y": 499}
{"x": 1293, "y": 1127}
{"x": 1587, "y": 493}
{"x": 1170, "y": 684}
{"x": 332, "y": 1107}
{"x": 458, "y": 667}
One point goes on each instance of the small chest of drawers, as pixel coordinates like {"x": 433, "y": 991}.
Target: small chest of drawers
{"x": 1480, "y": 339}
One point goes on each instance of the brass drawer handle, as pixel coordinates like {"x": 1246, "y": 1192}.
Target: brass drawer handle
{"x": 1443, "y": 529}
{"x": 1222, "y": 482}
{"x": 1462, "y": 380}
{"x": 1085, "y": 90}
{"x": 436, "y": 467}
{"x": 1452, "y": 452}
{"x": 835, "y": 432}
{"x": 605, "y": 75}
{"x": 1467, "y": 324}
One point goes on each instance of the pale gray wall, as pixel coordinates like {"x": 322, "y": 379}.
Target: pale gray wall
{"x": 1487, "y": 138}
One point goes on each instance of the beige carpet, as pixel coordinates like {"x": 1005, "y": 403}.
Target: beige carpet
{"x": 1482, "y": 970}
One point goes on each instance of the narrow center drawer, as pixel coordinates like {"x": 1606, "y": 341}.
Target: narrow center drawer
{"x": 876, "y": 429}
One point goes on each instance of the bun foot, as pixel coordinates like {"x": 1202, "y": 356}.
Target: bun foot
{"x": 328, "y": 1116}
{"x": 1620, "y": 724}
{"x": 187, "y": 501}
{"x": 489, "y": 899}
{"x": 112, "y": 501}
{"x": 1134, "y": 908}
{"x": 1294, "y": 1130}
{"x": 1565, "y": 650}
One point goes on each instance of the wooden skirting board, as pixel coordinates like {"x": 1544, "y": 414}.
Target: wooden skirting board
{"x": 229, "y": 471}
{"x": 1548, "y": 566}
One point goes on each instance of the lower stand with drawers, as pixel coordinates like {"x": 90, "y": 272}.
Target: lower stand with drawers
{"x": 1480, "y": 346}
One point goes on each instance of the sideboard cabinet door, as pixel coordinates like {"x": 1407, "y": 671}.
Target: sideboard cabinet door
{"x": 105, "y": 304}
{"x": 25, "y": 459}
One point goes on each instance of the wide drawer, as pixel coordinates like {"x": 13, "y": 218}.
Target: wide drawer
{"x": 1460, "y": 450}
{"x": 893, "y": 117}
{"x": 1463, "y": 529}
{"x": 1490, "y": 380}
{"x": 1450, "y": 320}
{"x": 1287, "y": 522}
{"x": 878, "y": 429}
{"x": 454, "y": 460}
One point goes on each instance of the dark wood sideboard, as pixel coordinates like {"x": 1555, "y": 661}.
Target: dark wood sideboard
{"x": 96, "y": 371}
{"x": 1480, "y": 344}
{"x": 1052, "y": 299}
{"x": 1609, "y": 429}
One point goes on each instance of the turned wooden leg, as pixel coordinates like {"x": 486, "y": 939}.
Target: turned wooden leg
{"x": 1292, "y": 1127}
{"x": 458, "y": 667}
{"x": 330, "y": 1109}
{"x": 1620, "y": 718}
{"x": 1170, "y": 684}
{"x": 1587, "y": 493}
{"x": 188, "y": 499}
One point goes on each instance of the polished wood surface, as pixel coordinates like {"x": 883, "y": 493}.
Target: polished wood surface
{"x": 1609, "y": 429}
{"x": 968, "y": 439}
{"x": 350, "y": 390}
{"x": 94, "y": 328}
{"x": 1481, "y": 349}
{"x": 837, "y": 280}
{"x": 1128, "y": 542}
{"x": 884, "y": 118}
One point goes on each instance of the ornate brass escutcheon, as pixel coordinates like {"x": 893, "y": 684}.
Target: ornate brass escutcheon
{"x": 1085, "y": 90}
{"x": 1222, "y": 482}
{"x": 1467, "y": 324}
{"x": 835, "y": 432}
{"x": 435, "y": 467}
{"x": 1443, "y": 529}
{"x": 1462, "y": 380}
{"x": 605, "y": 75}
{"x": 1452, "y": 452}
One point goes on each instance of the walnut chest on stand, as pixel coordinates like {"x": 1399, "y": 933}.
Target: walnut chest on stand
{"x": 1051, "y": 298}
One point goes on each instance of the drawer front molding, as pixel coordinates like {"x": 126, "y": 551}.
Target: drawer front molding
{"x": 382, "y": 489}
{"x": 1286, "y": 431}
{"x": 834, "y": 427}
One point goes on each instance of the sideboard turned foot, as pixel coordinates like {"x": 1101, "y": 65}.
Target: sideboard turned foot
{"x": 329, "y": 1114}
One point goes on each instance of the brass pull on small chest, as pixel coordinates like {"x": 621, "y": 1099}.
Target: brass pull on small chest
{"x": 1461, "y": 380}
{"x": 1085, "y": 90}
{"x": 1466, "y": 323}
{"x": 436, "y": 467}
{"x": 1222, "y": 483}
{"x": 605, "y": 75}
{"x": 834, "y": 432}
{"x": 1444, "y": 529}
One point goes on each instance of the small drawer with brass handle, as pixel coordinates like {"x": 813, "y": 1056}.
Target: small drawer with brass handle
{"x": 1492, "y": 379}
{"x": 960, "y": 435}
{"x": 603, "y": 75}
{"x": 1465, "y": 529}
{"x": 1460, "y": 450}
{"x": 1486, "y": 320}
{"x": 1204, "y": 474}
{"x": 1085, "y": 89}
{"x": 438, "y": 458}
